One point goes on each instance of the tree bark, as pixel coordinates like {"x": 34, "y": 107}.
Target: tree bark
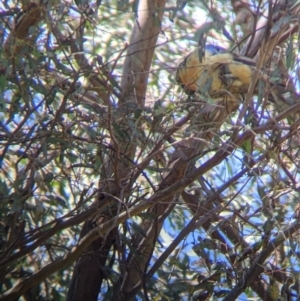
{"x": 88, "y": 273}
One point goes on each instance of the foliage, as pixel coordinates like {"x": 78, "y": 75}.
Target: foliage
{"x": 115, "y": 185}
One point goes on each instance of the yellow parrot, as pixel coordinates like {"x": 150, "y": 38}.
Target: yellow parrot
{"x": 216, "y": 73}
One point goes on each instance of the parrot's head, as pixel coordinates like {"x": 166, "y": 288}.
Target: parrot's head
{"x": 211, "y": 50}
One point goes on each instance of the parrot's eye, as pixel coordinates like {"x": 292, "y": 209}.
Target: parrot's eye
{"x": 213, "y": 50}
{"x": 219, "y": 49}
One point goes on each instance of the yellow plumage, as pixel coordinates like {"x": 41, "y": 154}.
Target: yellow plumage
{"x": 217, "y": 73}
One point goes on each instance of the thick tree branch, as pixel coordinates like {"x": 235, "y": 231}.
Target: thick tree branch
{"x": 140, "y": 51}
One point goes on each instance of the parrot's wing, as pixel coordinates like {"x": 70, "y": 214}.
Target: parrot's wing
{"x": 214, "y": 73}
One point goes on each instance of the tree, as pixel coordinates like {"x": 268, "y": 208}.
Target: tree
{"x": 116, "y": 185}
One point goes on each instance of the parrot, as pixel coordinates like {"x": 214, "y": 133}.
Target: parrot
{"x": 224, "y": 77}
{"x": 217, "y": 72}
